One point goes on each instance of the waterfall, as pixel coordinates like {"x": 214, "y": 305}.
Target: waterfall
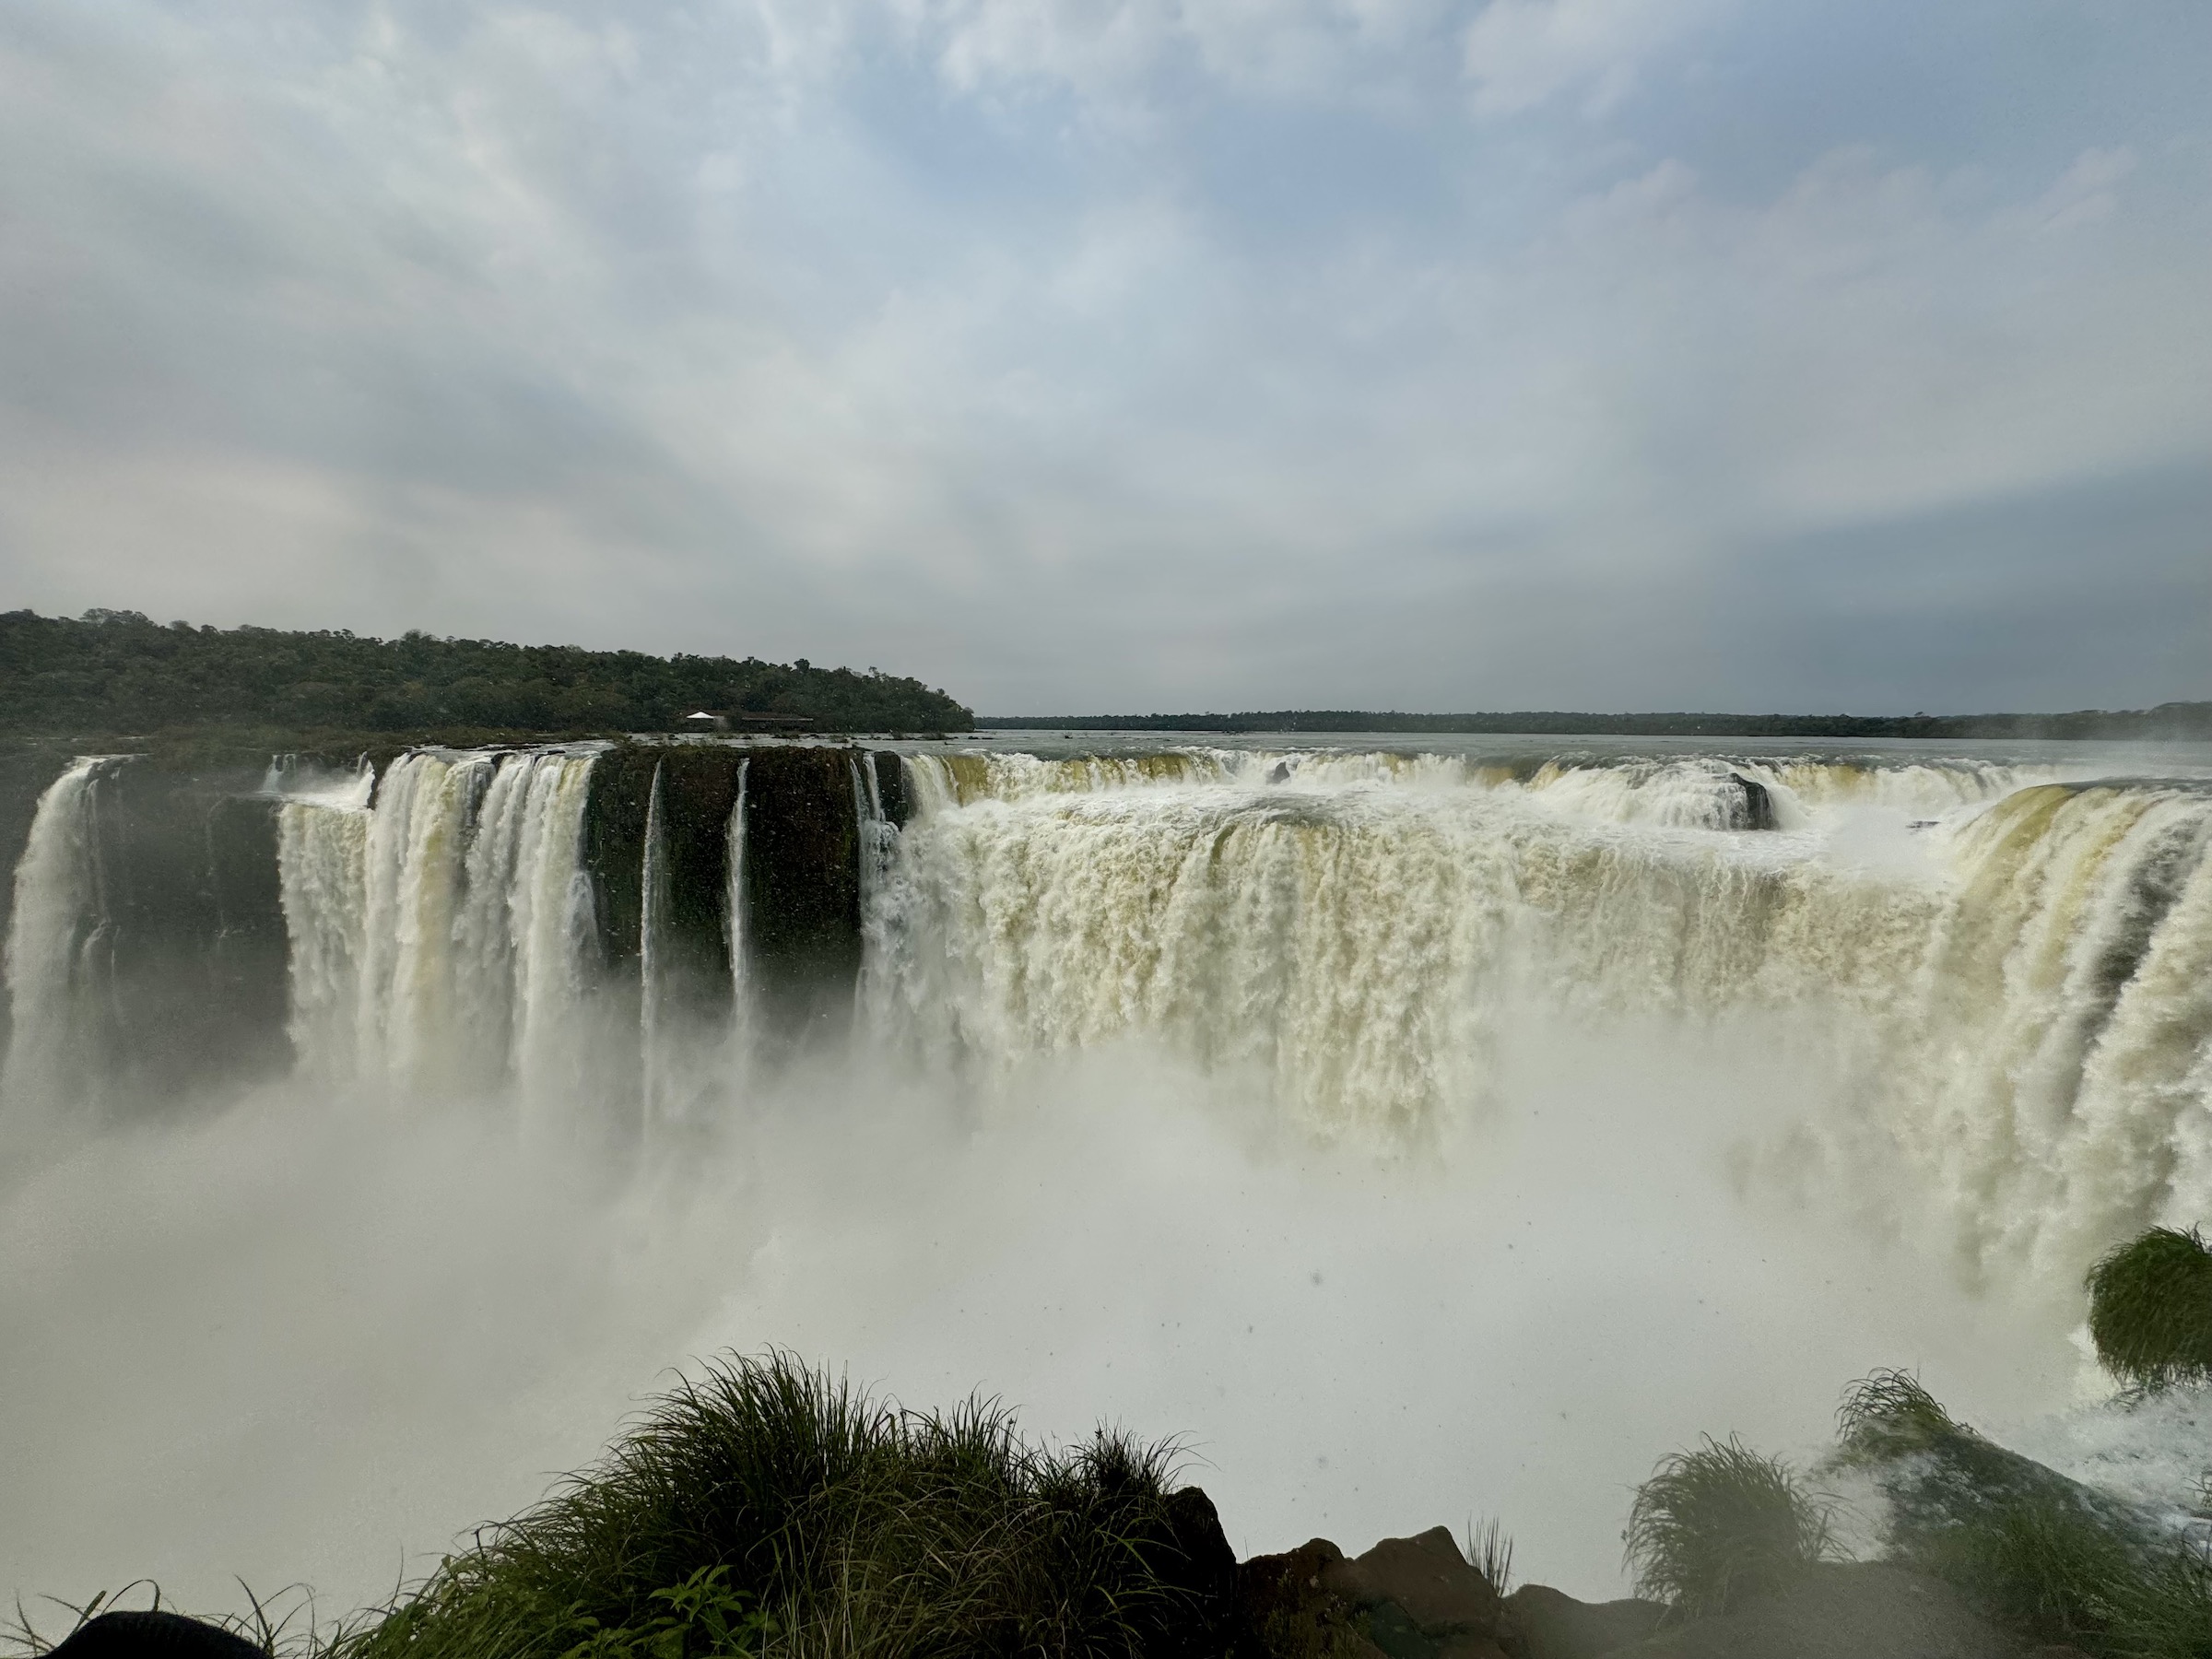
{"x": 1671, "y": 791}
{"x": 56, "y": 937}
{"x": 321, "y": 852}
{"x": 652, "y": 919}
{"x": 736, "y": 933}
{"x": 2018, "y": 999}
{"x": 440, "y": 931}
{"x": 2003, "y": 970}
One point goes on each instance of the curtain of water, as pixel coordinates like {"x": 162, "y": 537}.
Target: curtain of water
{"x": 2019, "y": 999}
{"x": 56, "y": 937}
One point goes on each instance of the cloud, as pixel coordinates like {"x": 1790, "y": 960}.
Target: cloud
{"x": 1522, "y": 53}
{"x": 1109, "y": 354}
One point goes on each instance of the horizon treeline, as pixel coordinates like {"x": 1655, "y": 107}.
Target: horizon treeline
{"x": 2173, "y": 720}
{"x": 118, "y": 671}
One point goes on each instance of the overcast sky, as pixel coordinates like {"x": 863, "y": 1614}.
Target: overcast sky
{"x": 1090, "y": 355}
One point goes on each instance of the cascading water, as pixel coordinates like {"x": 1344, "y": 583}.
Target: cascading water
{"x": 322, "y": 845}
{"x": 653, "y": 920}
{"x": 2012, "y": 993}
{"x": 2021, "y": 1003}
{"x": 440, "y": 932}
{"x": 55, "y": 936}
{"x": 1990, "y": 979}
{"x": 736, "y": 934}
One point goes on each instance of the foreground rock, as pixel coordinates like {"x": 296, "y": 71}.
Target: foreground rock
{"x": 1419, "y": 1598}
{"x": 1544, "y": 1623}
{"x": 1861, "y": 1611}
{"x": 1407, "y": 1598}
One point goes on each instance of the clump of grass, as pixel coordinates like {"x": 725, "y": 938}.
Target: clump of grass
{"x": 2164, "y": 1611}
{"x": 2052, "y": 1559}
{"x": 1718, "y": 1525}
{"x": 2040, "y": 1564}
{"x": 1888, "y": 1414}
{"x": 765, "y": 1509}
{"x": 2150, "y": 1308}
{"x": 1490, "y": 1551}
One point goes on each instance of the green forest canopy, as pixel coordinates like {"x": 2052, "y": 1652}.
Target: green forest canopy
{"x": 116, "y": 671}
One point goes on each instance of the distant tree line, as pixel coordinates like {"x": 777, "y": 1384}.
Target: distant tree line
{"x": 2173, "y": 720}
{"x": 118, "y": 672}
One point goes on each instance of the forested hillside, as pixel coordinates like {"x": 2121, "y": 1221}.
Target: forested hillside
{"x": 117, "y": 671}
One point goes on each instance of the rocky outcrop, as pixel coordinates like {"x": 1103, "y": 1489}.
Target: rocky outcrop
{"x": 1419, "y": 1598}
{"x": 1544, "y": 1623}
{"x": 1864, "y": 1610}
{"x": 1758, "y": 807}
{"x": 1407, "y": 1598}
{"x": 155, "y": 1635}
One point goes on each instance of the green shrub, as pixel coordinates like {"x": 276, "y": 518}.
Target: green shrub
{"x": 1715, "y": 1526}
{"x": 1490, "y": 1551}
{"x": 765, "y": 1509}
{"x": 2150, "y": 1308}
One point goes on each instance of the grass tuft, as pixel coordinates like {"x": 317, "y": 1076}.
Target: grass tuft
{"x": 1715, "y": 1526}
{"x": 765, "y": 1509}
{"x": 2150, "y": 1308}
{"x": 1491, "y": 1550}
{"x": 1888, "y": 1414}
{"x": 2053, "y": 1560}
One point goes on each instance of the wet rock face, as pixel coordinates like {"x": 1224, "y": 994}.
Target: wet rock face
{"x": 802, "y": 881}
{"x": 1759, "y": 804}
{"x": 185, "y": 968}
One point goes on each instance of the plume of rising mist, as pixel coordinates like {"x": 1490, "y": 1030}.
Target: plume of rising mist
{"x": 315, "y": 1337}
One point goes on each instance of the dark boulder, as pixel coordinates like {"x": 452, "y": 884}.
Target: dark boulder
{"x": 1419, "y": 1598}
{"x": 154, "y": 1635}
{"x": 1867, "y": 1610}
{"x": 1196, "y": 1570}
{"x": 1759, "y": 804}
{"x": 1407, "y": 1598}
{"x": 1283, "y": 1610}
{"x": 1544, "y": 1623}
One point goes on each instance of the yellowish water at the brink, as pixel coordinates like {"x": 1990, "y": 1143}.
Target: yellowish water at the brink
{"x": 2009, "y": 983}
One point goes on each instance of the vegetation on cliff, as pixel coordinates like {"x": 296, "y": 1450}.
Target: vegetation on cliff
{"x": 2037, "y": 1552}
{"x": 2150, "y": 1308}
{"x": 767, "y": 1509}
{"x": 119, "y": 672}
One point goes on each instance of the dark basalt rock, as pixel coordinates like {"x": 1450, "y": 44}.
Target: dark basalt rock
{"x": 1285, "y": 1611}
{"x": 154, "y": 1635}
{"x": 1192, "y": 1561}
{"x": 1868, "y": 1611}
{"x": 801, "y": 885}
{"x": 1419, "y": 1598}
{"x": 184, "y": 971}
{"x": 890, "y": 786}
{"x": 1407, "y": 1598}
{"x": 1544, "y": 1623}
{"x": 1759, "y": 804}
